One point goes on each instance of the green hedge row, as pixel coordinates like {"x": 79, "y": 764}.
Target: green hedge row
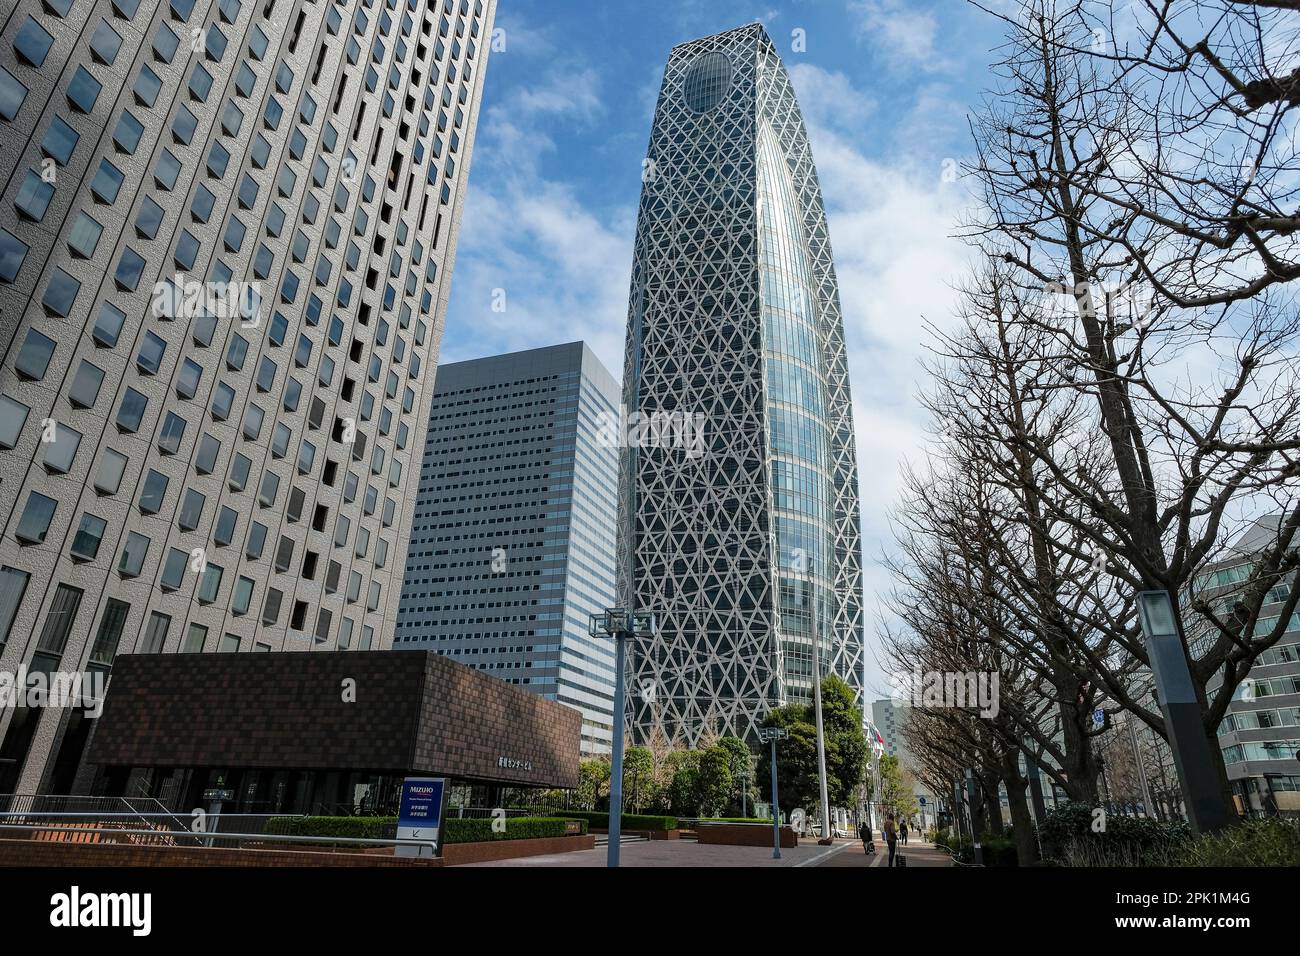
{"x": 456, "y": 829}
{"x": 767, "y": 820}
{"x": 631, "y": 821}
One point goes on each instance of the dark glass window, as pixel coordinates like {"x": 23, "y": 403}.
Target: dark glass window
{"x": 147, "y": 86}
{"x": 12, "y": 94}
{"x": 60, "y": 294}
{"x": 34, "y": 196}
{"x": 32, "y": 43}
{"x": 37, "y": 515}
{"x": 131, "y": 412}
{"x": 60, "y": 140}
{"x": 105, "y": 43}
{"x": 12, "y": 253}
{"x": 107, "y": 181}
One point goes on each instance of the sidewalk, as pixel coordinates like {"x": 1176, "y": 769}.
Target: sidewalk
{"x": 917, "y": 852}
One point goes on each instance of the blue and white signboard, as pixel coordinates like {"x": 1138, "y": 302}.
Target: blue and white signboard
{"x": 420, "y": 814}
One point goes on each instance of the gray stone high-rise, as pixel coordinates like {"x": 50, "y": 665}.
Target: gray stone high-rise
{"x": 226, "y": 241}
{"x": 750, "y": 552}
{"x": 512, "y": 546}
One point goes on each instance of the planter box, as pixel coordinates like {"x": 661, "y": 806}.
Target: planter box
{"x": 743, "y": 834}
{"x": 649, "y": 834}
{"x": 458, "y": 854}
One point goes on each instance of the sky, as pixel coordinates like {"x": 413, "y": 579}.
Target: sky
{"x": 885, "y": 87}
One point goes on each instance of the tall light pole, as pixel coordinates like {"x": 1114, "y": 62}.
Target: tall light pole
{"x": 772, "y": 735}
{"x": 622, "y": 625}
{"x": 1166, "y": 650}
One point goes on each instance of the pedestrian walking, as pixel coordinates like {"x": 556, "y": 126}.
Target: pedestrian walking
{"x": 864, "y": 834}
{"x": 903, "y": 832}
{"x": 891, "y": 837}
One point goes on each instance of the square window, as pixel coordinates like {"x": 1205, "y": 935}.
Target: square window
{"x": 200, "y": 84}
{"x": 131, "y": 412}
{"x": 90, "y": 533}
{"x": 12, "y": 253}
{"x": 243, "y": 596}
{"x": 218, "y": 160}
{"x": 133, "y": 555}
{"x": 84, "y": 391}
{"x": 256, "y": 540}
{"x": 105, "y": 43}
{"x": 34, "y": 196}
{"x": 60, "y": 294}
{"x": 130, "y": 267}
{"x": 147, "y": 86}
{"x": 245, "y": 80}
{"x": 269, "y": 490}
{"x": 34, "y": 357}
{"x": 187, "y": 380}
{"x": 60, "y": 453}
{"x": 32, "y": 43}
{"x": 173, "y": 569}
{"x": 107, "y": 182}
{"x": 184, "y": 126}
{"x": 13, "y": 416}
{"x": 222, "y": 402}
{"x": 153, "y": 492}
{"x": 35, "y": 522}
{"x": 60, "y": 140}
{"x": 112, "y": 465}
{"x": 239, "y": 469}
{"x": 187, "y": 249}
{"x": 191, "y": 510}
{"x": 12, "y": 94}
{"x": 261, "y": 152}
{"x": 127, "y": 135}
{"x": 232, "y": 119}
{"x": 253, "y": 419}
{"x": 84, "y": 237}
{"x": 152, "y": 350}
{"x": 201, "y": 207}
{"x": 205, "y": 462}
{"x": 173, "y": 432}
{"x": 166, "y": 170}
{"x": 165, "y": 43}
{"x": 108, "y": 325}
{"x": 227, "y": 520}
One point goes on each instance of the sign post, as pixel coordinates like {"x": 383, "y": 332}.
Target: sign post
{"x": 419, "y": 817}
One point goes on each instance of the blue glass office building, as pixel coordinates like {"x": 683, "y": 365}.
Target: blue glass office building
{"x": 512, "y": 544}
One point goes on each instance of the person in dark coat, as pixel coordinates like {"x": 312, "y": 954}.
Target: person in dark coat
{"x": 891, "y": 837}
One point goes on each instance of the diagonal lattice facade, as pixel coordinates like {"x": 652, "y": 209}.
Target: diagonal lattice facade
{"x": 734, "y": 315}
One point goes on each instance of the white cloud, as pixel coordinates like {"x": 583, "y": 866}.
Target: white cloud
{"x": 899, "y": 32}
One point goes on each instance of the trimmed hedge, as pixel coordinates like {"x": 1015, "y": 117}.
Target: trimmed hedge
{"x": 766, "y": 820}
{"x": 631, "y": 821}
{"x": 455, "y": 829}
{"x": 479, "y": 829}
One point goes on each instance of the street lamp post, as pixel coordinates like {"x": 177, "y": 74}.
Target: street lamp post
{"x": 1206, "y": 810}
{"x": 621, "y": 625}
{"x": 772, "y": 735}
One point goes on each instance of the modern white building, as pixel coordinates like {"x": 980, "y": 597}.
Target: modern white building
{"x": 226, "y": 238}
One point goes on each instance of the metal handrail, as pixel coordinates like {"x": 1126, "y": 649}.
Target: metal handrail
{"x": 254, "y": 837}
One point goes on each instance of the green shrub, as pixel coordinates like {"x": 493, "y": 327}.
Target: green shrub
{"x": 766, "y": 820}
{"x": 1270, "y": 842}
{"x": 479, "y": 829}
{"x": 999, "y": 851}
{"x": 1068, "y": 838}
{"x": 631, "y": 821}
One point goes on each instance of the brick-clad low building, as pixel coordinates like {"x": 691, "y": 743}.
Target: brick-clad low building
{"x": 322, "y": 732}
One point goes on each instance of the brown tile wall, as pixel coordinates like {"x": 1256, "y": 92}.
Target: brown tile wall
{"x": 414, "y": 712}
